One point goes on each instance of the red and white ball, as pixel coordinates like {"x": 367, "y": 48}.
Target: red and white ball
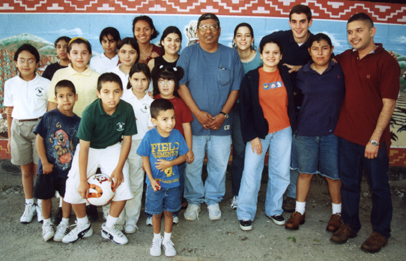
{"x": 101, "y": 191}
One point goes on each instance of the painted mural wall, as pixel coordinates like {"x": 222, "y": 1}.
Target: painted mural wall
{"x": 40, "y": 22}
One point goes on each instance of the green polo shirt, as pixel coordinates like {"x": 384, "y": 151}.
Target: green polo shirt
{"x": 103, "y": 130}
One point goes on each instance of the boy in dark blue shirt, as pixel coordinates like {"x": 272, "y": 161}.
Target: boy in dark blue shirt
{"x": 162, "y": 149}
{"x": 56, "y": 143}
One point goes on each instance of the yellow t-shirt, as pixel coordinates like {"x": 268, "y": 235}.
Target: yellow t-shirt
{"x": 273, "y": 99}
{"x": 85, "y": 84}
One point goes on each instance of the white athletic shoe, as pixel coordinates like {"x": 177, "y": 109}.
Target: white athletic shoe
{"x": 148, "y": 222}
{"x": 61, "y": 230}
{"x": 214, "y": 212}
{"x": 47, "y": 231}
{"x": 130, "y": 228}
{"x": 234, "y": 202}
{"x": 38, "y": 209}
{"x": 155, "y": 249}
{"x": 77, "y": 233}
{"x": 168, "y": 247}
{"x": 28, "y": 214}
{"x": 192, "y": 212}
{"x": 113, "y": 234}
{"x": 175, "y": 220}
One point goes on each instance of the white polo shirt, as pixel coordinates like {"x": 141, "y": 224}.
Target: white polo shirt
{"x": 29, "y": 99}
{"x": 142, "y": 113}
{"x": 101, "y": 64}
{"x": 123, "y": 77}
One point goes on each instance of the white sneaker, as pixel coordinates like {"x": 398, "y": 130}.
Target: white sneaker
{"x": 168, "y": 247}
{"x": 148, "y": 222}
{"x": 113, "y": 234}
{"x": 61, "y": 230}
{"x": 175, "y": 220}
{"x": 28, "y": 214}
{"x": 38, "y": 209}
{"x": 77, "y": 233}
{"x": 155, "y": 249}
{"x": 47, "y": 231}
{"x": 234, "y": 202}
{"x": 214, "y": 212}
{"x": 130, "y": 228}
{"x": 192, "y": 212}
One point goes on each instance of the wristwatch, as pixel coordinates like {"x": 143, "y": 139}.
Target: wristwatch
{"x": 225, "y": 114}
{"x": 374, "y": 142}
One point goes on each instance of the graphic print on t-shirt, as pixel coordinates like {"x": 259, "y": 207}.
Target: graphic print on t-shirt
{"x": 273, "y": 85}
{"x": 62, "y": 148}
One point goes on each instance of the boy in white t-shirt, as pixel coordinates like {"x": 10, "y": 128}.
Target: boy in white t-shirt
{"x": 107, "y": 61}
{"x": 26, "y": 98}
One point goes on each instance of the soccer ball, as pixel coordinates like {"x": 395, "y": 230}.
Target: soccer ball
{"x": 101, "y": 191}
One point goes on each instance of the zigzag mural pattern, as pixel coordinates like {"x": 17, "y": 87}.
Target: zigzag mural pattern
{"x": 323, "y": 9}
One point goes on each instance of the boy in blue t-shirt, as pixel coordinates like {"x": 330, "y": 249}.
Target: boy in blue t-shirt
{"x": 162, "y": 149}
{"x": 56, "y": 143}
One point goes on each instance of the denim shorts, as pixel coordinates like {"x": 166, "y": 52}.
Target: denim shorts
{"x": 313, "y": 151}
{"x": 165, "y": 199}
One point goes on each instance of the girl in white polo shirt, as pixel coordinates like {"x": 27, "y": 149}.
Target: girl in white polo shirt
{"x": 26, "y": 98}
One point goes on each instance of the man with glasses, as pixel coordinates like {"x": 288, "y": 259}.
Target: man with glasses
{"x": 210, "y": 86}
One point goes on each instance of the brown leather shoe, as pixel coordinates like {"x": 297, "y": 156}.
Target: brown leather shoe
{"x": 342, "y": 234}
{"x": 295, "y": 220}
{"x": 374, "y": 243}
{"x": 334, "y": 223}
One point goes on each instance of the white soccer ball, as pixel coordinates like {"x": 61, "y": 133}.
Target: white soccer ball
{"x": 101, "y": 191}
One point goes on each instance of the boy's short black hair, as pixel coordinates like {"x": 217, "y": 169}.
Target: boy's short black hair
{"x": 149, "y": 21}
{"x": 320, "y": 36}
{"x": 29, "y": 48}
{"x": 362, "y": 17}
{"x": 64, "y": 38}
{"x": 65, "y": 84}
{"x": 110, "y": 31}
{"x": 301, "y": 9}
{"x": 270, "y": 40}
{"x": 160, "y": 105}
{"x": 79, "y": 40}
{"x": 206, "y": 17}
{"x": 108, "y": 77}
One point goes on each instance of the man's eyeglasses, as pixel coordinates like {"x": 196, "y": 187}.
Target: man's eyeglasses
{"x": 212, "y": 27}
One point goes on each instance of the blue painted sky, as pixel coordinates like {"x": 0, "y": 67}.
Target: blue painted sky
{"x": 51, "y": 26}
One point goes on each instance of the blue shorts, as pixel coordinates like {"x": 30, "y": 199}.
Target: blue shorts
{"x": 313, "y": 151}
{"x": 165, "y": 199}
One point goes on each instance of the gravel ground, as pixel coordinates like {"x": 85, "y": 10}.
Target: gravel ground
{"x": 204, "y": 239}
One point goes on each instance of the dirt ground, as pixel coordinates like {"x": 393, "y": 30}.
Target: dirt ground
{"x": 204, "y": 239}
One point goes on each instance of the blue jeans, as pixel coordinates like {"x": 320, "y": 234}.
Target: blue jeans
{"x": 218, "y": 153}
{"x": 279, "y": 144}
{"x": 291, "y": 191}
{"x": 351, "y": 165}
{"x": 237, "y": 165}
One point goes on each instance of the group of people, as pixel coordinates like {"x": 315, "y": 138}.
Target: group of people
{"x": 139, "y": 107}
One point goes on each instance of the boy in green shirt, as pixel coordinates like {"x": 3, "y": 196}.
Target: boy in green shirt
{"x": 103, "y": 124}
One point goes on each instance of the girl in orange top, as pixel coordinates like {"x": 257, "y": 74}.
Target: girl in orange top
{"x": 267, "y": 120}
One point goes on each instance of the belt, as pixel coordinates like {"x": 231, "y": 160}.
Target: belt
{"x": 36, "y": 119}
